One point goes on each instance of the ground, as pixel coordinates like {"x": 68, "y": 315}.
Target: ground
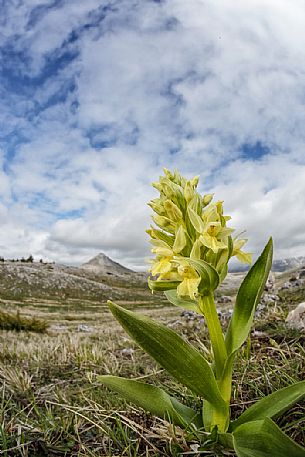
{"x": 52, "y": 404}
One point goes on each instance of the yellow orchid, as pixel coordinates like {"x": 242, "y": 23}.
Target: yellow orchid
{"x": 161, "y": 266}
{"x": 215, "y": 236}
{"x": 190, "y": 281}
{"x": 209, "y": 229}
{"x": 244, "y": 257}
{"x": 189, "y": 225}
{"x": 165, "y": 254}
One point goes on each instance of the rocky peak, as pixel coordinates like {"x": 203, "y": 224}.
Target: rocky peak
{"x": 104, "y": 265}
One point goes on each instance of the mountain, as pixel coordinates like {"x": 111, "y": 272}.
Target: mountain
{"x": 104, "y": 265}
{"x": 98, "y": 280}
{"x": 288, "y": 264}
{"x": 280, "y": 265}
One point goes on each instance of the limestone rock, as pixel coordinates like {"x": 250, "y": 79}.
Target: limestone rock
{"x": 296, "y": 317}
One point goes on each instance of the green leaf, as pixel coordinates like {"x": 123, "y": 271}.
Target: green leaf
{"x": 178, "y": 357}
{"x": 174, "y": 298}
{"x": 153, "y": 399}
{"x": 208, "y": 274}
{"x": 247, "y": 299}
{"x": 272, "y": 405}
{"x": 161, "y": 286}
{"x": 264, "y": 438}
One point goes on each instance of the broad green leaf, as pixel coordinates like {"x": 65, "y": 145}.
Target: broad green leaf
{"x": 153, "y": 399}
{"x": 264, "y": 438}
{"x": 161, "y": 286}
{"x": 272, "y": 405}
{"x": 247, "y": 299}
{"x": 208, "y": 274}
{"x": 178, "y": 357}
{"x": 172, "y": 297}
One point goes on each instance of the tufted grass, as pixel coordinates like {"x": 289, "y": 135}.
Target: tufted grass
{"x": 52, "y": 405}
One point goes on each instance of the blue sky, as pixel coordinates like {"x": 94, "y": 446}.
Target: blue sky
{"x": 96, "y": 97}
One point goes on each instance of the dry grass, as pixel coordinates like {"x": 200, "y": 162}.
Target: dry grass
{"x": 52, "y": 405}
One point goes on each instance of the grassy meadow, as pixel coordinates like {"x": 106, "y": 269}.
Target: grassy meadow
{"x": 52, "y": 404}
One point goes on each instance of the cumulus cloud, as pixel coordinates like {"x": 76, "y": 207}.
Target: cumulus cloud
{"x": 97, "y": 97}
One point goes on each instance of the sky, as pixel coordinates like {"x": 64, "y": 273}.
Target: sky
{"x": 97, "y": 96}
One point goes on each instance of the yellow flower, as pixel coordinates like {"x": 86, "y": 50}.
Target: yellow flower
{"x": 172, "y": 211}
{"x": 190, "y": 281}
{"x": 211, "y": 233}
{"x": 244, "y": 257}
{"x": 215, "y": 236}
{"x": 165, "y": 254}
{"x": 161, "y": 266}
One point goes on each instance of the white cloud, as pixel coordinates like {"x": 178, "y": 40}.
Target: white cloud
{"x": 176, "y": 84}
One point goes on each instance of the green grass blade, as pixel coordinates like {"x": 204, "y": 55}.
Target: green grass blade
{"x": 178, "y": 357}
{"x": 153, "y": 399}
{"x": 272, "y": 405}
{"x": 247, "y": 299}
{"x": 264, "y": 438}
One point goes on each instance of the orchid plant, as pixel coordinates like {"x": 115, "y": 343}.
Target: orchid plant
{"x": 192, "y": 246}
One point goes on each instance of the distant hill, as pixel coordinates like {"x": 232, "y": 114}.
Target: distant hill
{"x": 277, "y": 265}
{"x": 104, "y": 265}
{"x": 288, "y": 264}
{"x": 98, "y": 280}
{"x": 95, "y": 281}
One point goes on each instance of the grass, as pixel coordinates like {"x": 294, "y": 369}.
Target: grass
{"x": 17, "y": 322}
{"x": 52, "y": 405}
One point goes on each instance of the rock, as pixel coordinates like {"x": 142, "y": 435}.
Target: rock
{"x": 224, "y": 299}
{"x": 127, "y": 352}
{"x": 261, "y": 307}
{"x": 269, "y": 286}
{"x": 302, "y": 274}
{"x": 59, "y": 328}
{"x": 84, "y": 328}
{"x": 174, "y": 324}
{"x": 286, "y": 285}
{"x": 296, "y": 317}
{"x": 258, "y": 334}
{"x": 188, "y": 315}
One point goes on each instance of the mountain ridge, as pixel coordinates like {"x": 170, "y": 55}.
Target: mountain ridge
{"x": 104, "y": 264}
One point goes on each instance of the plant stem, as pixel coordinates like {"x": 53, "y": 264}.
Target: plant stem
{"x": 208, "y": 309}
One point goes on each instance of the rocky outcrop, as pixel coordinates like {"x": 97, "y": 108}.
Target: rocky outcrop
{"x": 296, "y": 317}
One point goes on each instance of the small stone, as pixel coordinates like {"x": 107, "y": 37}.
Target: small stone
{"x": 84, "y": 328}
{"x": 224, "y": 299}
{"x": 127, "y": 352}
{"x": 293, "y": 278}
{"x": 174, "y": 324}
{"x": 296, "y": 317}
{"x": 302, "y": 274}
{"x": 59, "y": 328}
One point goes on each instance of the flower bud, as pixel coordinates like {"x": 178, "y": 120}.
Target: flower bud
{"x": 206, "y": 199}
{"x": 168, "y": 173}
{"x": 163, "y": 222}
{"x": 194, "y": 181}
{"x": 188, "y": 191}
{"x": 180, "y": 240}
{"x": 172, "y": 211}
